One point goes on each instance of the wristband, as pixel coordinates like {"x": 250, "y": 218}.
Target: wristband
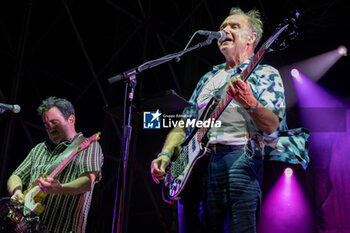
{"x": 163, "y": 153}
{"x": 252, "y": 109}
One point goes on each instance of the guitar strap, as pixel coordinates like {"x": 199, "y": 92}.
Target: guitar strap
{"x": 79, "y": 139}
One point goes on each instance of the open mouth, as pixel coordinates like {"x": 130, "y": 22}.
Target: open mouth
{"x": 227, "y": 40}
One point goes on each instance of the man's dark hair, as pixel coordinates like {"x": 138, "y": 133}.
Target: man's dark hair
{"x": 63, "y": 105}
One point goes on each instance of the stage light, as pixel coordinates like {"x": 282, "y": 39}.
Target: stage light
{"x": 314, "y": 67}
{"x": 285, "y": 208}
{"x": 288, "y": 172}
{"x": 295, "y": 73}
{"x": 342, "y": 50}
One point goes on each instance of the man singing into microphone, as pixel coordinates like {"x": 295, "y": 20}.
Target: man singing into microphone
{"x": 226, "y": 195}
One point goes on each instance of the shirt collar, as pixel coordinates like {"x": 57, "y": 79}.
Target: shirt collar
{"x": 51, "y": 146}
{"x": 72, "y": 139}
{"x": 237, "y": 69}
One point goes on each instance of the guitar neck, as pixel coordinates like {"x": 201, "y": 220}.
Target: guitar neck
{"x": 256, "y": 60}
{"x": 63, "y": 164}
{"x": 81, "y": 147}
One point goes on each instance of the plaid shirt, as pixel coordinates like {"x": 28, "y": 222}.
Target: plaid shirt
{"x": 267, "y": 87}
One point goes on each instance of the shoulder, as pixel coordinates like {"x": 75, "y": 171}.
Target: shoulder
{"x": 204, "y": 79}
{"x": 215, "y": 69}
{"x": 37, "y": 151}
{"x": 266, "y": 68}
{"x": 93, "y": 149}
{"x": 96, "y": 144}
{"x": 266, "y": 75}
{"x": 267, "y": 72}
{"x": 39, "y": 146}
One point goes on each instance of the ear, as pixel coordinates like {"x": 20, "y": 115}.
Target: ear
{"x": 71, "y": 119}
{"x": 252, "y": 38}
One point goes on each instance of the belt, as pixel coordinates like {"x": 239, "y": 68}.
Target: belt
{"x": 216, "y": 148}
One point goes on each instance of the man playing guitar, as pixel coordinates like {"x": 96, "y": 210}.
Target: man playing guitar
{"x": 70, "y": 192}
{"x": 226, "y": 194}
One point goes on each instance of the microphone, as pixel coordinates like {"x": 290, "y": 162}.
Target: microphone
{"x": 14, "y": 108}
{"x": 220, "y": 35}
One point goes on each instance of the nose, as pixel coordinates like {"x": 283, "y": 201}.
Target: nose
{"x": 227, "y": 29}
{"x": 49, "y": 126}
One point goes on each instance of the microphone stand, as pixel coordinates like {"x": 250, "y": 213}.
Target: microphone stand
{"x": 130, "y": 77}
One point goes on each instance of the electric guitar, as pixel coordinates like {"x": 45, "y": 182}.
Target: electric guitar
{"x": 194, "y": 147}
{"x": 33, "y": 196}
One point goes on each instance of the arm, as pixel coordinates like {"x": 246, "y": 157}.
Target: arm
{"x": 14, "y": 187}
{"x": 174, "y": 139}
{"x": 90, "y": 162}
{"x": 82, "y": 184}
{"x": 20, "y": 177}
{"x": 264, "y": 119}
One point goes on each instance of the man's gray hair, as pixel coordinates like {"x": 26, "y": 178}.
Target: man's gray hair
{"x": 63, "y": 105}
{"x": 254, "y": 20}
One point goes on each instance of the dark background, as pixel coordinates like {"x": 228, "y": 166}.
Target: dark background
{"x": 70, "y": 48}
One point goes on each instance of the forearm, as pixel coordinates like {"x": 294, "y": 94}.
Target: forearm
{"x": 80, "y": 185}
{"x": 14, "y": 183}
{"x": 264, "y": 119}
{"x": 174, "y": 139}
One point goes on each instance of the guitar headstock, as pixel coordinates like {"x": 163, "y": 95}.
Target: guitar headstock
{"x": 89, "y": 141}
{"x": 284, "y": 34}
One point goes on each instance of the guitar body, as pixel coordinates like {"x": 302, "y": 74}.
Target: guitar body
{"x": 33, "y": 197}
{"x": 13, "y": 220}
{"x": 180, "y": 170}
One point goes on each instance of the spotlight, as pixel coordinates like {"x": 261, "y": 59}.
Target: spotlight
{"x": 342, "y": 50}
{"x": 288, "y": 172}
{"x": 296, "y": 74}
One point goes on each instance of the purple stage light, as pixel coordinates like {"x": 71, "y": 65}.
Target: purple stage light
{"x": 315, "y": 67}
{"x": 286, "y": 209}
{"x": 288, "y": 172}
{"x": 342, "y": 50}
{"x": 328, "y": 119}
{"x": 312, "y": 95}
{"x": 320, "y": 110}
{"x": 295, "y": 73}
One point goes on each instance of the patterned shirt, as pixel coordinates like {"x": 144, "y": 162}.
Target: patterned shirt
{"x": 63, "y": 213}
{"x": 267, "y": 87}
{"x": 233, "y": 129}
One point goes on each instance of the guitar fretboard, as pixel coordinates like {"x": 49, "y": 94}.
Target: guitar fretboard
{"x": 81, "y": 147}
